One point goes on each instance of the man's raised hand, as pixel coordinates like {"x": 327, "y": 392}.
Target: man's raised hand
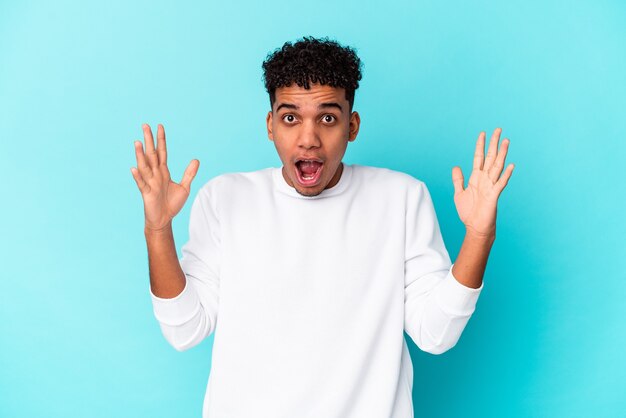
{"x": 476, "y": 204}
{"x": 162, "y": 198}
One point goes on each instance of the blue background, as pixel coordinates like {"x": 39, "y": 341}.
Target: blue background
{"x": 77, "y": 80}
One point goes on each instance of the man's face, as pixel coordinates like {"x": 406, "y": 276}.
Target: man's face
{"x": 312, "y": 125}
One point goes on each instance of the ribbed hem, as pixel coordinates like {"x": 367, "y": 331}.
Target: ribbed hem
{"x": 176, "y": 310}
{"x": 457, "y": 298}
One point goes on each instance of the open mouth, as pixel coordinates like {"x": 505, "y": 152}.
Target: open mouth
{"x": 309, "y": 172}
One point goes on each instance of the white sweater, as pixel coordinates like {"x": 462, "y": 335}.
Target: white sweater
{"x": 309, "y": 296}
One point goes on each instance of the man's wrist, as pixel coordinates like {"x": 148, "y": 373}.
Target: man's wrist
{"x": 480, "y": 237}
{"x": 165, "y": 230}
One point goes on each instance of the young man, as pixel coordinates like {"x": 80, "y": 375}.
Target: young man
{"x": 308, "y": 274}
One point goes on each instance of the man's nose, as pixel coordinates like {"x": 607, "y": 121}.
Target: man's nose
{"x": 309, "y": 136}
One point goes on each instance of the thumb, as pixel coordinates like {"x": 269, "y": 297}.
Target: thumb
{"x": 457, "y": 179}
{"x": 189, "y": 174}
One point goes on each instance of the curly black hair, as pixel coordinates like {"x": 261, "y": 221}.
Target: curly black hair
{"x": 312, "y": 60}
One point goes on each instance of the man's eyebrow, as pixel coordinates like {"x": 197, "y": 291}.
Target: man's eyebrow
{"x": 287, "y": 106}
{"x": 327, "y": 105}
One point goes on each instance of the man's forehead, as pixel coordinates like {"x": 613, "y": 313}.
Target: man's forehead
{"x": 312, "y": 97}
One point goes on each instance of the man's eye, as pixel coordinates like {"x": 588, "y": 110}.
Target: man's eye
{"x": 289, "y": 118}
{"x": 329, "y": 118}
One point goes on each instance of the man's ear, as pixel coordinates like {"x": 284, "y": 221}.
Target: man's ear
{"x": 268, "y": 121}
{"x": 355, "y": 122}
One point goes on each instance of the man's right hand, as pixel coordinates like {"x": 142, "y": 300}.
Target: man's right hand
{"x": 162, "y": 198}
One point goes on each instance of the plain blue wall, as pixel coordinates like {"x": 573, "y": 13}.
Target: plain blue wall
{"x": 77, "y": 80}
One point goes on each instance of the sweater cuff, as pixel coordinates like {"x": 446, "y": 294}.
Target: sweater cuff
{"x": 177, "y": 310}
{"x": 457, "y": 298}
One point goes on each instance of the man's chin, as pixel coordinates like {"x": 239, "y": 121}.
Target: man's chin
{"x": 309, "y": 192}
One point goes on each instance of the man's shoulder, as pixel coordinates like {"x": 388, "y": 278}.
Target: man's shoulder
{"x": 231, "y": 181}
{"x": 385, "y": 176}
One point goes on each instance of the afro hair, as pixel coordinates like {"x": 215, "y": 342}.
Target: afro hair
{"x": 310, "y": 60}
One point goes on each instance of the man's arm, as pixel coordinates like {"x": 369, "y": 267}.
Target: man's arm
{"x": 163, "y": 199}
{"x": 436, "y": 305}
{"x": 476, "y": 206}
{"x": 191, "y": 313}
{"x": 439, "y": 300}
{"x": 186, "y": 311}
{"x": 469, "y": 267}
{"x": 167, "y": 279}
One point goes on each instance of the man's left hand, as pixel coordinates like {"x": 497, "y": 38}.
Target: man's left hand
{"x": 476, "y": 204}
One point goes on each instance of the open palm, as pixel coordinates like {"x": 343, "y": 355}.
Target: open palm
{"x": 162, "y": 197}
{"x": 476, "y": 204}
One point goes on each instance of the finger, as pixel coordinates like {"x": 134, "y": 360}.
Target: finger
{"x": 493, "y": 149}
{"x": 161, "y": 148}
{"x": 141, "y": 183}
{"x": 144, "y": 169}
{"x": 504, "y": 180}
{"x": 190, "y": 173}
{"x": 457, "y": 179}
{"x": 498, "y": 165}
{"x": 479, "y": 152}
{"x": 151, "y": 155}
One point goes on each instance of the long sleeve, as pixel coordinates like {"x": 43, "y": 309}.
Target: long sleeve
{"x": 437, "y": 306}
{"x": 188, "y": 318}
